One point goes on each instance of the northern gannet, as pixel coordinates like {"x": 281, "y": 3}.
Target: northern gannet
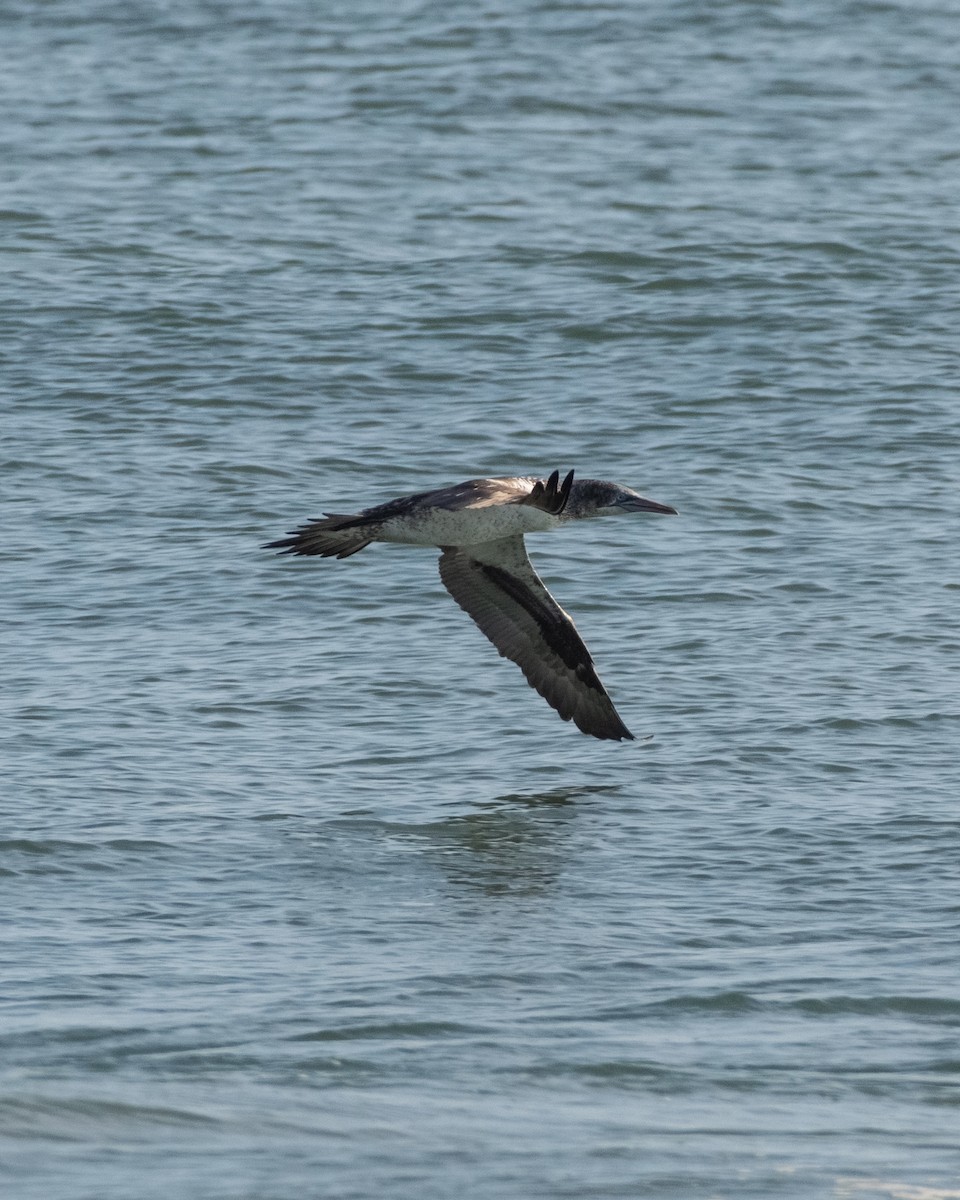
{"x": 479, "y": 527}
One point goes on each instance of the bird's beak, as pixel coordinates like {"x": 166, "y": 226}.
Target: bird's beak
{"x": 642, "y": 504}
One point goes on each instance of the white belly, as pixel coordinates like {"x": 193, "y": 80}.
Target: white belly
{"x": 441, "y": 527}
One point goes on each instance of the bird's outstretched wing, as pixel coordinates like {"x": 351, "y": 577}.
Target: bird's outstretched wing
{"x": 336, "y": 534}
{"x": 496, "y": 584}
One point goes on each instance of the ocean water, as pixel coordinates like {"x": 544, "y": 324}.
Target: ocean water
{"x": 304, "y": 892}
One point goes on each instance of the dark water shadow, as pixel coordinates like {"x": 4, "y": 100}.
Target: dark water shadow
{"x": 515, "y": 843}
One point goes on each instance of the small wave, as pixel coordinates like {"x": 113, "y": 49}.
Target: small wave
{"x": 76, "y": 1119}
{"x": 389, "y": 1029}
{"x": 929, "y": 1007}
{"x": 892, "y": 1189}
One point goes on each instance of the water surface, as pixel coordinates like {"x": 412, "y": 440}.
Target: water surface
{"x": 305, "y": 892}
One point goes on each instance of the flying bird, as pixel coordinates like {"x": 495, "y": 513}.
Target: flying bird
{"x": 479, "y": 526}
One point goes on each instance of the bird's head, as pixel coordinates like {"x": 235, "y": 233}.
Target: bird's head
{"x": 597, "y": 498}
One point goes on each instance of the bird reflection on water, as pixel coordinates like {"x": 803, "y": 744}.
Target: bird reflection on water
{"x": 516, "y": 843}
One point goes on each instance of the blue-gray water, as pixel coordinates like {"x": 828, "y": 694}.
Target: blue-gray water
{"x": 304, "y": 893}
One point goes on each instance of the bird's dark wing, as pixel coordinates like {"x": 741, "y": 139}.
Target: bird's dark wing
{"x": 336, "y": 534}
{"x": 495, "y": 583}
{"x": 550, "y": 494}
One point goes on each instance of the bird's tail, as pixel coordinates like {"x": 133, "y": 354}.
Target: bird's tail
{"x": 335, "y": 535}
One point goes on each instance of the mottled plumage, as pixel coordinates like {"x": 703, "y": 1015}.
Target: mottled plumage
{"x": 479, "y": 526}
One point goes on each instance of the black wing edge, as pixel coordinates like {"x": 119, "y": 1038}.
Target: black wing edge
{"x": 337, "y": 535}
{"x": 551, "y": 495}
